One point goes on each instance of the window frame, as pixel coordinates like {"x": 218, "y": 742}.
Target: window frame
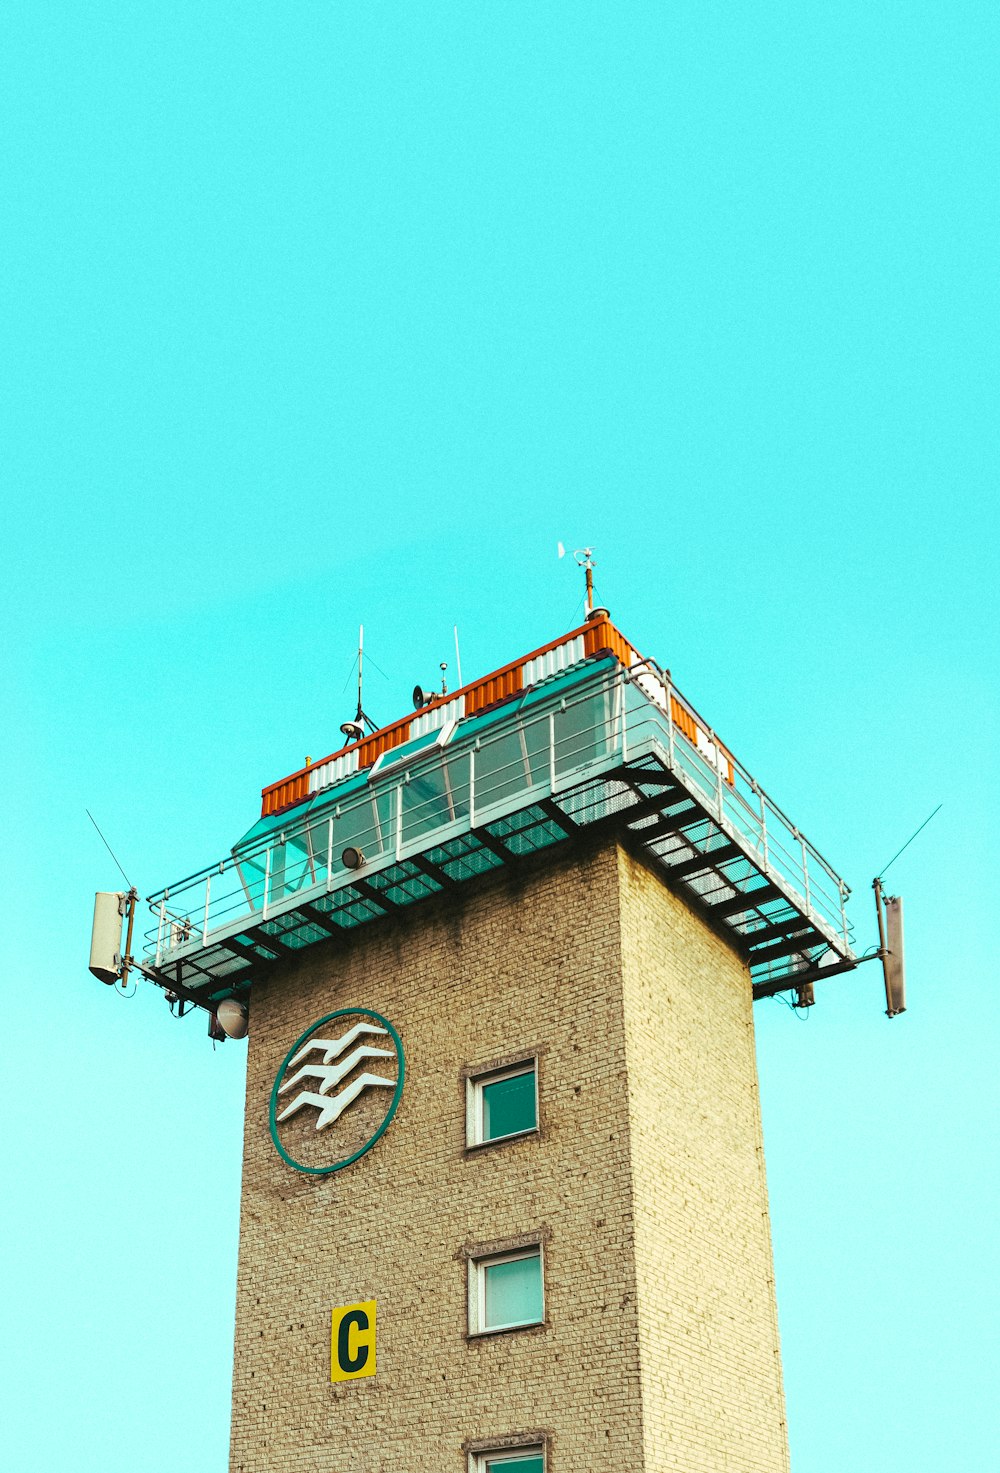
{"x": 479, "y": 1462}
{"x": 476, "y": 1082}
{"x": 477, "y": 1268}
{"x": 395, "y": 757}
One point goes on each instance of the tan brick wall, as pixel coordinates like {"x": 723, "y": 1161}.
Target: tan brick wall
{"x": 591, "y": 962}
{"x": 518, "y": 966}
{"x": 708, "y": 1335}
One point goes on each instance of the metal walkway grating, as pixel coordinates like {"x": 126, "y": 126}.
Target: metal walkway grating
{"x": 604, "y": 757}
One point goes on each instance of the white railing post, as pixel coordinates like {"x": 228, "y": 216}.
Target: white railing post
{"x": 267, "y": 883}
{"x": 623, "y": 697}
{"x": 552, "y": 752}
{"x": 204, "y": 926}
{"x": 472, "y": 787}
{"x": 159, "y": 931}
{"x": 805, "y": 871}
{"x": 843, "y": 908}
{"x": 670, "y": 724}
{"x": 763, "y": 830}
{"x": 329, "y": 855}
{"x": 399, "y": 820}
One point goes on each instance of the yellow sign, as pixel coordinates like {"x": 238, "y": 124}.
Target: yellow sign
{"x": 352, "y": 1342}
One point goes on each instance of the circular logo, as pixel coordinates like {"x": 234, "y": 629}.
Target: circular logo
{"x": 337, "y": 1090}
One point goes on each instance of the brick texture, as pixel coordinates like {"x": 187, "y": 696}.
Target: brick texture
{"x": 645, "y": 1185}
{"x": 708, "y": 1336}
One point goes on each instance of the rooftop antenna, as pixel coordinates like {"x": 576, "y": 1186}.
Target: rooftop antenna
{"x": 355, "y": 730}
{"x": 361, "y": 670}
{"x": 584, "y": 559}
{"x": 889, "y": 951}
{"x": 889, "y": 913}
{"x": 112, "y": 908}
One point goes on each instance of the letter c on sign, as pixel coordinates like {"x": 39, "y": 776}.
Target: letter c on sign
{"x": 348, "y": 1361}
{"x": 352, "y": 1342}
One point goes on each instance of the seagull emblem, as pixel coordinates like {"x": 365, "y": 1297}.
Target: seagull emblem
{"x": 330, "y": 1074}
{"x": 334, "y": 1047}
{"x": 331, "y": 1109}
{"x": 351, "y": 1054}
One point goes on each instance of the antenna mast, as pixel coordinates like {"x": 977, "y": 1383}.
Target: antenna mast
{"x": 361, "y": 656}
{"x": 585, "y": 559}
{"x": 355, "y": 729}
{"x": 362, "y": 715}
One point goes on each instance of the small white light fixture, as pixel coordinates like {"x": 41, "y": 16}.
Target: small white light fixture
{"x": 353, "y": 730}
{"x": 352, "y": 858}
{"x": 233, "y": 1018}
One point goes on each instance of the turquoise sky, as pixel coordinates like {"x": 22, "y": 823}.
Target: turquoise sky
{"x": 321, "y": 313}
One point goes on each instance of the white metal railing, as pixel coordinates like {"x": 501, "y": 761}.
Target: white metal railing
{"x": 545, "y": 748}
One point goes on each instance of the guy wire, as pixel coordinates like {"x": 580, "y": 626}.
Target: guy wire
{"x": 910, "y": 839}
{"x": 108, "y": 847}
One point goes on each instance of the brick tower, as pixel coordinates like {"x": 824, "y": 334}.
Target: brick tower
{"x": 504, "y": 1205}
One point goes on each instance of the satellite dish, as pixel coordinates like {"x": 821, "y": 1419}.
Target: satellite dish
{"x": 353, "y": 730}
{"x": 421, "y": 697}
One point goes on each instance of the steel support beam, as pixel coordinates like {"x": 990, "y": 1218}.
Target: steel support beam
{"x": 791, "y": 944}
{"x": 261, "y": 938}
{"x": 568, "y": 825}
{"x": 493, "y": 844}
{"x": 671, "y": 823}
{"x": 369, "y": 891}
{"x": 747, "y": 900}
{"x": 432, "y": 871}
{"x": 704, "y": 860}
{"x": 320, "y": 918}
{"x": 795, "y": 980}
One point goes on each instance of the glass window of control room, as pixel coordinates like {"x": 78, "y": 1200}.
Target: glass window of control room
{"x": 503, "y": 1103}
{"x": 505, "y": 1291}
{"x": 512, "y": 1460}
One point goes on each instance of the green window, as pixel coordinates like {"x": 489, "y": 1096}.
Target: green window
{"x": 502, "y": 1103}
{"x": 505, "y": 1292}
{"x": 509, "y": 1105}
{"x": 511, "y": 1463}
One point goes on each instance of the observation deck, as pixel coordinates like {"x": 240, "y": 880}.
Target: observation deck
{"x": 582, "y": 737}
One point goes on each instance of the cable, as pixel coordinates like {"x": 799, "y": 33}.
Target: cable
{"x": 910, "y": 840}
{"x": 801, "y": 1013}
{"x": 354, "y": 666}
{"x": 109, "y": 848}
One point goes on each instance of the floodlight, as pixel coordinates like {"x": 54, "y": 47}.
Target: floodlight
{"x": 234, "y": 1018}
{"x": 352, "y": 858}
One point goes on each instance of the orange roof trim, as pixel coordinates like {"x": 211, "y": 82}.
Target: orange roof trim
{"x": 599, "y": 635}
